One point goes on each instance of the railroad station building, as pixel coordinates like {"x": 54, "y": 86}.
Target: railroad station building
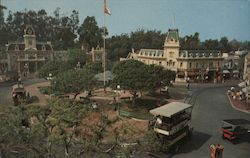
{"x": 192, "y": 65}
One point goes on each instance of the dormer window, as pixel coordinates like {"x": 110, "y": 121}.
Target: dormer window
{"x": 16, "y": 47}
{"x": 43, "y": 48}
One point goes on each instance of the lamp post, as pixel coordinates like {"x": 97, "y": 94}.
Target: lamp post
{"x": 78, "y": 65}
{"x": 50, "y": 79}
{"x": 26, "y": 69}
{"x": 118, "y": 92}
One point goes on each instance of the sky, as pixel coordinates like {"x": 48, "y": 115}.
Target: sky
{"x": 213, "y": 19}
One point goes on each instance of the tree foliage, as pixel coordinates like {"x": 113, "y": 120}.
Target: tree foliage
{"x": 75, "y": 57}
{"x": 159, "y": 76}
{"x": 135, "y": 76}
{"x": 74, "y": 81}
{"x": 90, "y": 34}
{"x": 53, "y": 67}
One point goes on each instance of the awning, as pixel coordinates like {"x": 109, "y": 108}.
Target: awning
{"x": 242, "y": 84}
{"x": 236, "y": 71}
{"x": 245, "y": 90}
{"x": 170, "y": 109}
{"x": 193, "y": 73}
{"x": 181, "y": 73}
{"x": 225, "y": 72}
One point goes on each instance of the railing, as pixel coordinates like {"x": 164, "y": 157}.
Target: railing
{"x": 174, "y": 123}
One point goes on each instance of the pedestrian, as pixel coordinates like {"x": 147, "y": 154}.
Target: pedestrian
{"x": 188, "y": 85}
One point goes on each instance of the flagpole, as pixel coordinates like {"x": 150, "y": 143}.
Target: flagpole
{"x": 104, "y": 53}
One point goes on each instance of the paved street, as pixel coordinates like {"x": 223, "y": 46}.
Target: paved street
{"x": 212, "y": 106}
{"x": 5, "y": 91}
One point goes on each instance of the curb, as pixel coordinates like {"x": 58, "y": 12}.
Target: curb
{"x": 238, "y": 109}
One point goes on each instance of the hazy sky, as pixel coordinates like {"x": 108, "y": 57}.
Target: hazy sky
{"x": 211, "y": 18}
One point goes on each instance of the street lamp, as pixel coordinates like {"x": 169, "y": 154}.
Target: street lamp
{"x": 118, "y": 91}
{"x": 50, "y": 79}
{"x": 26, "y": 69}
{"x": 78, "y": 65}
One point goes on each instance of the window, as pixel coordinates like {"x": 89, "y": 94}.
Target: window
{"x": 190, "y": 65}
{"x": 43, "y": 48}
{"x": 16, "y": 48}
{"x": 30, "y": 42}
{"x": 171, "y": 54}
{"x": 197, "y": 64}
{"x": 160, "y": 63}
{"x": 210, "y": 64}
{"x": 181, "y": 64}
{"x": 173, "y": 63}
{"x": 218, "y": 64}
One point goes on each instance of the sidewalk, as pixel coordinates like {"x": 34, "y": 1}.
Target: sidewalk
{"x": 34, "y": 91}
{"x": 239, "y": 105}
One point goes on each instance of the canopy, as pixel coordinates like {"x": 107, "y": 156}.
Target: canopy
{"x": 18, "y": 88}
{"x": 170, "y": 109}
{"x": 235, "y": 71}
{"x": 237, "y": 122}
{"x": 242, "y": 84}
{"x": 246, "y": 89}
{"x": 225, "y": 72}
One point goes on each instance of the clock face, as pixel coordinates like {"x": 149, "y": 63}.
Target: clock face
{"x": 29, "y": 31}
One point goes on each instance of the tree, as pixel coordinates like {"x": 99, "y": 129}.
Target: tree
{"x": 159, "y": 76}
{"x": 224, "y": 45}
{"x": 53, "y": 67}
{"x": 74, "y": 81}
{"x": 90, "y": 34}
{"x": 131, "y": 75}
{"x": 94, "y": 67}
{"x": 190, "y": 42}
{"x": 211, "y": 44}
{"x": 77, "y": 56}
{"x": 3, "y": 29}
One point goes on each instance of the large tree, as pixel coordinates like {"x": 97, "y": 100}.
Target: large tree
{"x": 90, "y": 34}
{"x": 74, "y": 81}
{"x": 53, "y": 67}
{"x": 76, "y": 57}
{"x": 131, "y": 75}
{"x": 159, "y": 76}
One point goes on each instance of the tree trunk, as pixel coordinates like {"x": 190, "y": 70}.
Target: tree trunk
{"x": 76, "y": 94}
{"x": 133, "y": 98}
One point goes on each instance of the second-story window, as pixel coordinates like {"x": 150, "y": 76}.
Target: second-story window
{"x": 190, "y": 65}
{"x": 210, "y": 64}
{"x": 171, "y": 54}
{"x": 30, "y": 42}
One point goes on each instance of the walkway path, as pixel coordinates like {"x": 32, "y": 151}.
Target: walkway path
{"x": 34, "y": 91}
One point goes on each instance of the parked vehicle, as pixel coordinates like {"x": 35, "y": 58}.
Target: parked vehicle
{"x": 233, "y": 129}
{"x": 18, "y": 93}
{"x": 172, "y": 123}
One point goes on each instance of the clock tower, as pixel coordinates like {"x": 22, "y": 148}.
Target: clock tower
{"x": 29, "y": 38}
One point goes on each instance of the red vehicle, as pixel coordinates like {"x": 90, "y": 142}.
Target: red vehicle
{"x": 234, "y": 128}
